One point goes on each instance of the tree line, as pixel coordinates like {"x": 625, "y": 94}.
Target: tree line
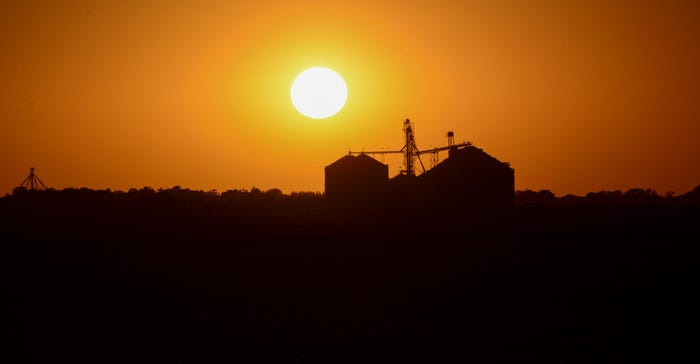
{"x": 631, "y": 197}
{"x": 175, "y": 200}
{"x": 178, "y": 200}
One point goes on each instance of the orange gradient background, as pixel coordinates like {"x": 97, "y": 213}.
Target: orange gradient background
{"x": 578, "y": 96}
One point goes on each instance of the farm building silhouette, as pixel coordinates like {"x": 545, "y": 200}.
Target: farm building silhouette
{"x": 356, "y": 182}
{"x": 469, "y": 180}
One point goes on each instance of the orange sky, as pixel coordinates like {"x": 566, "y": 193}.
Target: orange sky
{"x": 578, "y": 96}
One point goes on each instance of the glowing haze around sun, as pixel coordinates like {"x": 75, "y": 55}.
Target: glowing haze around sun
{"x": 319, "y": 93}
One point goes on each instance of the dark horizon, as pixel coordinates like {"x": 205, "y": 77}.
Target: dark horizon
{"x": 41, "y": 186}
{"x": 522, "y": 196}
{"x": 256, "y": 277}
{"x": 452, "y": 264}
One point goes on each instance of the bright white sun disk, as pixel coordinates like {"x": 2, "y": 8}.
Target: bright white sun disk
{"x": 319, "y": 93}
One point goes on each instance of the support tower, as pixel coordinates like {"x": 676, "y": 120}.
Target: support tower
{"x": 32, "y": 182}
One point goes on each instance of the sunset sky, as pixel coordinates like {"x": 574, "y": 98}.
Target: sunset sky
{"x": 578, "y": 96}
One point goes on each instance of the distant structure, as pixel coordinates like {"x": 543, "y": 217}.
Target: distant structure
{"x": 355, "y": 181}
{"x": 469, "y": 180}
{"x": 32, "y": 182}
{"x": 411, "y": 152}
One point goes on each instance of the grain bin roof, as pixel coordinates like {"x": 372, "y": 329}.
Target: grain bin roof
{"x": 360, "y": 160}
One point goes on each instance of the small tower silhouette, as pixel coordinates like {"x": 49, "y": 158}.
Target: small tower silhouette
{"x": 32, "y": 182}
{"x": 450, "y": 139}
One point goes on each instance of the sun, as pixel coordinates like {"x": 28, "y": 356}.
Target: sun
{"x": 319, "y": 93}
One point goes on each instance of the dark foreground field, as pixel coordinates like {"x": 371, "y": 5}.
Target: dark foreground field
{"x": 542, "y": 284}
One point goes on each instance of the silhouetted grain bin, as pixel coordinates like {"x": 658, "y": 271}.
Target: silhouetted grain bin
{"x": 355, "y": 182}
{"x": 403, "y": 194}
{"x": 469, "y": 179}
